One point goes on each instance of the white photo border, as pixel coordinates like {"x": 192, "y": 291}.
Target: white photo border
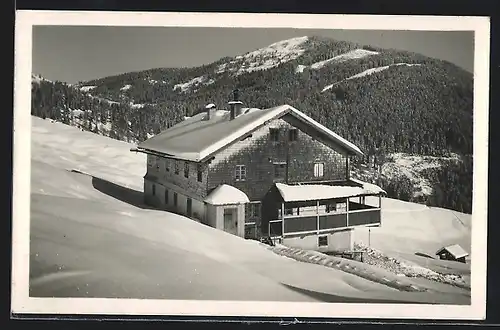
{"x": 23, "y": 304}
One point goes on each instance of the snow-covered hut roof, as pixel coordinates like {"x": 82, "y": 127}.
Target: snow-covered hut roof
{"x": 455, "y": 250}
{"x": 196, "y": 138}
{"x": 226, "y": 194}
{"x": 312, "y": 192}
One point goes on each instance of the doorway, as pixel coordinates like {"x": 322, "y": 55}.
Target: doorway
{"x": 231, "y": 221}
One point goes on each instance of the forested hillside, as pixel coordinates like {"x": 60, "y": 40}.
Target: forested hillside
{"x": 385, "y": 101}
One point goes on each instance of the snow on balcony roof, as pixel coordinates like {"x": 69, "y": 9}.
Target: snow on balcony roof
{"x": 196, "y": 138}
{"x": 226, "y": 194}
{"x": 455, "y": 250}
{"x": 311, "y": 192}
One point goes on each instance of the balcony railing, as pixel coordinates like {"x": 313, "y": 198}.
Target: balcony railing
{"x": 292, "y": 225}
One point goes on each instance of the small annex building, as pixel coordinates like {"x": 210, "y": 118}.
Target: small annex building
{"x": 452, "y": 252}
{"x": 225, "y": 209}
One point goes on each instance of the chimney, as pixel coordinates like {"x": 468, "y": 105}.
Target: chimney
{"x": 235, "y": 105}
{"x": 209, "y": 110}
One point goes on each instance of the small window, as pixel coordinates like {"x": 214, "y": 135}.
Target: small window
{"x": 323, "y": 241}
{"x": 253, "y": 210}
{"x": 175, "y": 199}
{"x": 186, "y": 169}
{"x": 166, "y": 196}
{"x": 200, "y": 173}
{"x": 167, "y": 165}
{"x": 279, "y": 170}
{"x": 318, "y": 170}
{"x": 274, "y": 134}
{"x": 158, "y": 163}
{"x": 331, "y": 207}
{"x": 292, "y": 134}
{"x": 176, "y": 167}
{"x": 150, "y": 161}
{"x": 154, "y": 190}
{"x": 240, "y": 173}
{"x": 288, "y": 211}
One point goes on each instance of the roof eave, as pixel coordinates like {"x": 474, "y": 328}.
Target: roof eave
{"x": 193, "y": 158}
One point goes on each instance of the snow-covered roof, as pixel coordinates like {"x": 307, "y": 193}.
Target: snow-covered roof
{"x": 196, "y": 138}
{"x": 455, "y": 250}
{"x": 312, "y": 192}
{"x": 226, "y": 194}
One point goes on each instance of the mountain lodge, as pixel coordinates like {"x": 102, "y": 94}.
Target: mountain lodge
{"x": 261, "y": 173}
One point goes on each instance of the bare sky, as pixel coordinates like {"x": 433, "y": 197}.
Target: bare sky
{"x": 80, "y": 53}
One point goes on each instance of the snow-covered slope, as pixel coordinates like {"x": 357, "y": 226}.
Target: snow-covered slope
{"x": 266, "y": 58}
{"x": 351, "y": 55}
{"x": 412, "y": 167}
{"x": 367, "y": 73}
{"x": 91, "y": 236}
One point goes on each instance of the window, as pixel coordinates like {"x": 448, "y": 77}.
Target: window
{"x": 279, "y": 170}
{"x": 274, "y": 134}
{"x": 186, "y": 169}
{"x": 241, "y": 173}
{"x": 331, "y": 207}
{"x": 175, "y": 199}
{"x": 253, "y": 210}
{"x": 157, "y": 163}
{"x": 166, "y": 196}
{"x": 150, "y": 161}
{"x": 292, "y": 134}
{"x": 288, "y": 211}
{"x": 318, "y": 170}
{"x": 154, "y": 189}
{"x": 200, "y": 173}
{"x": 176, "y": 167}
{"x": 323, "y": 241}
{"x": 167, "y": 165}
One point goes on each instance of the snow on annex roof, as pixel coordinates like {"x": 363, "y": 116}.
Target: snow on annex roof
{"x": 226, "y": 194}
{"x": 312, "y": 192}
{"x": 196, "y": 138}
{"x": 456, "y": 251}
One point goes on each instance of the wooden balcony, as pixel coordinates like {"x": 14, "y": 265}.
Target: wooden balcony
{"x": 325, "y": 222}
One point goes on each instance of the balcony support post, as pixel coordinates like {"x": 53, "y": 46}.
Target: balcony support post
{"x": 317, "y": 217}
{"x": 347, "y": 209}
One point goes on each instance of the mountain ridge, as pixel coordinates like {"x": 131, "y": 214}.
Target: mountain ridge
{"x": 385, "y": 101}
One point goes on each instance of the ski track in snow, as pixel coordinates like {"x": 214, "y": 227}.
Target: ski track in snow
{"x": 367, "y": 73}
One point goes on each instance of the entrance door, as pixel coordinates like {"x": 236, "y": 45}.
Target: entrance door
{"x": 231, "y": 221}
{"x": 189, "y": 207}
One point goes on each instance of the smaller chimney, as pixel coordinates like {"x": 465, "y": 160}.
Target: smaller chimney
{"x": 209, "y": 110}
{"x": 235, "y": 105}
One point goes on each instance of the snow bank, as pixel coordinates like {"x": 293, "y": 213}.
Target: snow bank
{"x": 126, "y": 87}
